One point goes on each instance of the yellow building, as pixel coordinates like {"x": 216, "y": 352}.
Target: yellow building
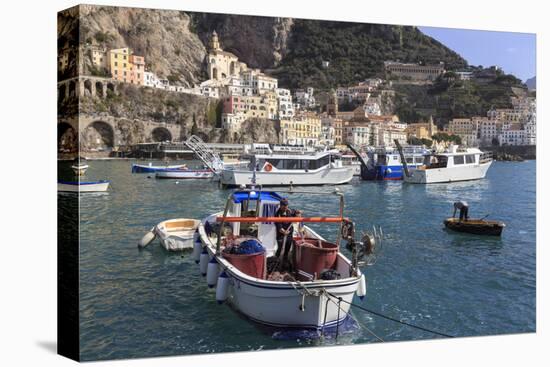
{"x": 308, "y": 129}
{"x": 288, "y": 131}
{"x": 338, "y": 129}
{"x": 422, "y": 130}
{"x": 264, "y": 106}
{"x": 126, "y": 67}
{"x": 304, "y": 129}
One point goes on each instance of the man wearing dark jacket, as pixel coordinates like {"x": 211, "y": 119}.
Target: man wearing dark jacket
{"x": 285, "y": 229}
{"x": 463, "y": 207}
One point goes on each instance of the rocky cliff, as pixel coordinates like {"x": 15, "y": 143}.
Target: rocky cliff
{"x": 261, "y": 42}
{"x": 170, "y": 48}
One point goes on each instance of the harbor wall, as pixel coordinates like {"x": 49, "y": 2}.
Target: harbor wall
{"x": 512, "y": 152}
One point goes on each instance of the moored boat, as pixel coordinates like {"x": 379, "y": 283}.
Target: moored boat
{"x": 186, "y": 174}
{"x": 173, "y": 234}
{"x": 323, "y": 168}
{"x": 384, "y": 163}
{"x": 82, "y": 186}
{"x": 143, "y": 168}
{"x": 455, "y": 164}
{"x": 350, "y": 160}
{"x": 306, "y": 297}
{"x": 475, "y": 226}
{"x": 79, "y": 166}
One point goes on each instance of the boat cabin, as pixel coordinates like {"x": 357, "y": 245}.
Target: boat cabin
{"x": 295, "y": 162}
{"x": 457, "y": 158}
{"x": 390, "y": 157}
{"x": 255, "y": 204}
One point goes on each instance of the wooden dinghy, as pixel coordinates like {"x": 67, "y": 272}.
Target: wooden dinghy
{"x": 475, "y": 226}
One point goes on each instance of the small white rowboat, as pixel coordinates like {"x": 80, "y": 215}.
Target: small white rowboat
{"x": 173, "y": 234}
{"x": 70, "y": 186}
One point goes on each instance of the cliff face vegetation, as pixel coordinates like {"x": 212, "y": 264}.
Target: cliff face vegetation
{"x": 449, "y": 97}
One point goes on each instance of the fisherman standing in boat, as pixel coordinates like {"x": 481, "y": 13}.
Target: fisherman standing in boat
{"x": 285, "y": 230}
{"x": 463, "y": 207}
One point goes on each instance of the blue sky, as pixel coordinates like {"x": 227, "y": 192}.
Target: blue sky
{"x": 515, "y": 53}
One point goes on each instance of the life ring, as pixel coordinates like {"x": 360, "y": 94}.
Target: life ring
{"x": 268, "y": 167}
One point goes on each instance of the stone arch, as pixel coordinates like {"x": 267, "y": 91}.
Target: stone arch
{"x": 111, "y": 88}
{"x": 62, "y": 92}
{"x": 88, "y": 87}
{"x": 98, "y": 135}
{"x": 215, "y": 73}
{"x": 67, "y": 138}
{"x": 161, "y": 134}
{"x": 72, "y": 88}
{"x": 99, "y": 89}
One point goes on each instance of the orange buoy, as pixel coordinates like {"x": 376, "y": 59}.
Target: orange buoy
{"x": 268, "y": 167}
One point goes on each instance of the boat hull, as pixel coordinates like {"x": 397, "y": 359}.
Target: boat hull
{"x": 185, "y": 174}
{"x": 140, "y": 168}
{"x": 322, "y": 176}
{"x": 452, "y": 174}
{"x": 305, "y": 305}
{"x": 100, "y": 186}
{"x": 384, "y": 172}
{"x": 177, "y": 234}
{"x": 475, "y": 226}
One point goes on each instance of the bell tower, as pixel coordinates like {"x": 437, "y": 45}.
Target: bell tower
{"x": 332, "y": 104}
{"x": 214, "y": 42}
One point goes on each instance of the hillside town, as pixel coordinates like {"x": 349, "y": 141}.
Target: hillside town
{"x": 247, "y": 93}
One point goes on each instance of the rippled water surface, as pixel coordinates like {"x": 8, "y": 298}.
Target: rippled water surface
{"x": 151, "y": 303}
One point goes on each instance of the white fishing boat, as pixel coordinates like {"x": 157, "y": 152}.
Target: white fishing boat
{"x": 318, "y": 291}
{"x": 81, "y": 186}
{"x": 323, "y": 168}
{"x": 455, "y": 164}
{"x": 186, "y": 174}
{"x": 79, "y": 166}
{"x": 351, "y": 160}
{"x": 173, "y": 234}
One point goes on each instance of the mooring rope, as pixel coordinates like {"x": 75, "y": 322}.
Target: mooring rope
{"x": 391, "y": 318}
{"x": 338, "y": 305}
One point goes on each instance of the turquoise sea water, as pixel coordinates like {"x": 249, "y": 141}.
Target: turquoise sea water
{"x": 151, "y": 303}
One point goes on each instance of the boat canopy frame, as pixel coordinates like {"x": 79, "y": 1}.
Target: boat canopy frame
{"x": 256, "y": 194}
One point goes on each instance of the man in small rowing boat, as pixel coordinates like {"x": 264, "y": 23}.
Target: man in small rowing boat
{"x": 285, "y": 230}
{"x": 463, "y": 207}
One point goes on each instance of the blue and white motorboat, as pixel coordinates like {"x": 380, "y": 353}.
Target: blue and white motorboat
{"x": 82, "y": 186}
{"x": 384, "y": 163}
{"x": 144, "y": 168}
